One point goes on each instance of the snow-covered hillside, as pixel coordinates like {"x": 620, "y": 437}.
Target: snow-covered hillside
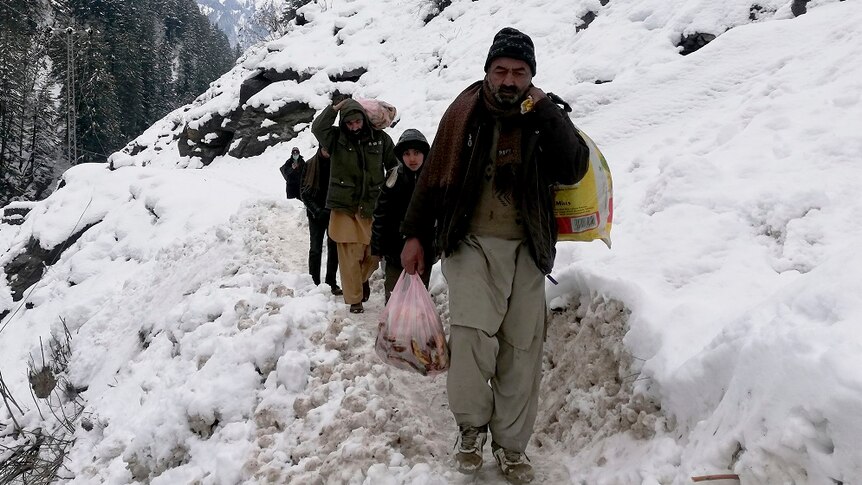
{"x": 719, "y": 335}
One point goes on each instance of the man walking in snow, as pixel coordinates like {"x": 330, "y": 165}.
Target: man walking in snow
{"x": 359, "y": 156}
{"x": 315, "y": 183}
{"x": 486, "y": 192}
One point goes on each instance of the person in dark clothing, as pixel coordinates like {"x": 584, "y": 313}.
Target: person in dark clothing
{"x": 487, "y": 192}
{"x": 292, "y": 173}
{"x": 315, "y": 182}
{"x": 386, "y": 239}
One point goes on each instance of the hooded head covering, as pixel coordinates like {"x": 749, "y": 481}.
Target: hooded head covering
{"x": 513, "y": 43}
{"x": 411, "y": 138}
{"x": 352, "y": 110}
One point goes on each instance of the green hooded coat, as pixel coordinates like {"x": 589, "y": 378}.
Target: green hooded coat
{"x": 358, "y": 162}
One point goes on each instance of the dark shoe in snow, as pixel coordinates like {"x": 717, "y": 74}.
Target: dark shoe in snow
{"x": 469, "y": 456}
{"x": 356, "y": 308}
{"x": 336, "y": 290}
{"x": 513, "y": 464}
{"x": 366, "y": 291}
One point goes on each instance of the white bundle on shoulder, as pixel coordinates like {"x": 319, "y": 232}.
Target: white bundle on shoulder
{"x": 380, "y": 113}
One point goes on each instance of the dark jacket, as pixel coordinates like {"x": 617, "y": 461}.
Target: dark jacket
{"x": 314, "y": 195}
{"x": 358, "y": 163}
{"x": 386, "y": 238}
{"x": 293, "y": 175}
{"x": 552, "y": 153}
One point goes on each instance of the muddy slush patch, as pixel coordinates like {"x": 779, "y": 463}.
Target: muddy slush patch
{"x": 588, "y": 384}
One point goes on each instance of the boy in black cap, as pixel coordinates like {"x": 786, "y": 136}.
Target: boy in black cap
{"x": 485, "y": 192}
{"x": 386, "y": 239}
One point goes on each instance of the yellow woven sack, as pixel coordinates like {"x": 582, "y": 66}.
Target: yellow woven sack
{"x": 584, "y": 211}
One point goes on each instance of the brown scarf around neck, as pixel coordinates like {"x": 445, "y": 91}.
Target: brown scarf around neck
{"x": 443, "y": 166}
{"x": 505, "y": 149}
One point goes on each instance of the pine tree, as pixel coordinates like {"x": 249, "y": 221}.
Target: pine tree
{"x": 28, "y": 139}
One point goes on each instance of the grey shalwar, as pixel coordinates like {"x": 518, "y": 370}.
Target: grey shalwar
{"x": 497, "y": 311}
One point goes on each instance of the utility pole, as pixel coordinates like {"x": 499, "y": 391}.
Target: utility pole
{"x": 71, "y": 96}
{"x": 71, "y": 103}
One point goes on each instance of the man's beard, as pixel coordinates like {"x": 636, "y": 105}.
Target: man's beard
{"x": 507, "y": 95}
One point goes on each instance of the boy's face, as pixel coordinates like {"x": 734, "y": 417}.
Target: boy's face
{"x": 413, "y": 159}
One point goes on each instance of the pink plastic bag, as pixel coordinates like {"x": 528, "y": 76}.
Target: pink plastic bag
{"x": 380, "y": 113}
{"x": 411, "y": 335}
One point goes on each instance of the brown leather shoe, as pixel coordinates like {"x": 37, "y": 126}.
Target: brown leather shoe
{"x": 356, "y": 308}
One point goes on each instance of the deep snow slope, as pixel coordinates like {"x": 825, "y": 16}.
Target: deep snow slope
{"x": 720, "y": 334}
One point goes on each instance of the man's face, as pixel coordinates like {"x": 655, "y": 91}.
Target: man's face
{"x": 354, "y": 126}
{"x": 413, "y": 158}
{"x": 509, "y": 79}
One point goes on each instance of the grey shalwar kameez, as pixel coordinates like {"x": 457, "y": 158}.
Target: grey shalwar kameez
{"x": 497, "y": 310}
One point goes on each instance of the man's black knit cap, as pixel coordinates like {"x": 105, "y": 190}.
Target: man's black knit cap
{"x": 512, "y": 43}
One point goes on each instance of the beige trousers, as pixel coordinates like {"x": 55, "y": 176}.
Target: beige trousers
{"x": 352, "y": 235}
{"x": 355, "y": 266}
{"x": 497, "y": 311}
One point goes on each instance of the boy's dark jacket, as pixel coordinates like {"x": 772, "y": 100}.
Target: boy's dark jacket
{"x": 386, "y": 239}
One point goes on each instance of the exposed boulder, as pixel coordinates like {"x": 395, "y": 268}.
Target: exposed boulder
{"x": 436, "y": 8}
{"x": 586, "y": 20}
{"x": 256, "y": 130}
{"x": 15, "y": 213}
{"x": 352, "y": 75}
{"x": 798, "y": 7}
{"x": 209, "y": 139}
{"x": 252, "y": 86}
{"x": 248, "y": 131}
{"x": 28, "y": 267}
{"x": 692, "y": 42}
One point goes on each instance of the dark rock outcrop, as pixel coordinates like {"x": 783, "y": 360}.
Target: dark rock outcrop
{"x": 352, "y": 75}
{"x": 28, "y": 267}
{"x": 692, "y": 42}
{"x": 798, "y": 7}
{"x": 248, "y": 131}
{"x": 437, "y": 7}
{"x": 207, "y": 141}
{"x": 14, "y": 215}
{"x": 253, "y": 137}
{"x": 586, "y": 20}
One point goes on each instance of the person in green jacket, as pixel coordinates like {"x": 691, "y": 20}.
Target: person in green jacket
{"x": 360, "y": 155}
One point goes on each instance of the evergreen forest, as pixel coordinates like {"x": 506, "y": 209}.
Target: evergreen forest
{"x": 80, "y": 78}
